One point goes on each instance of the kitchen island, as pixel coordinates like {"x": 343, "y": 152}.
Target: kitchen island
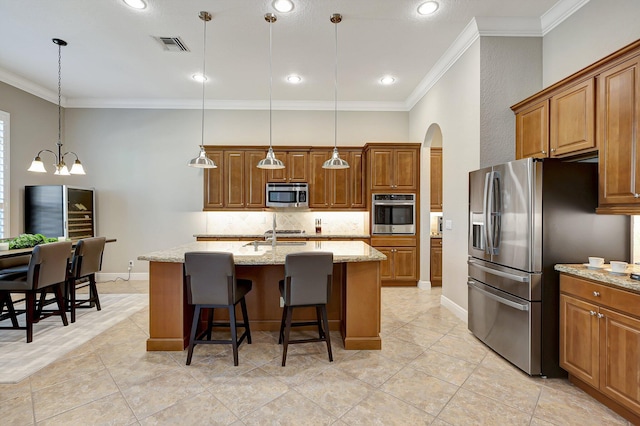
{"x": 354, "y": 307}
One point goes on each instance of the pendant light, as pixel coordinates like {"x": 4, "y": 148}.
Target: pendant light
{"x": 335, "y": 162}
{"x": 202, "y": 161}
{"x": 61, "y": 168}
{"x": 270, "y": 161}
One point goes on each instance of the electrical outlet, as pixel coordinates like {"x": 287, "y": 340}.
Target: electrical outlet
{"x": 130, "y": 264}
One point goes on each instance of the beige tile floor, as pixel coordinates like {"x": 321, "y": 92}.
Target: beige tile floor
{"x": 430, "y": 371}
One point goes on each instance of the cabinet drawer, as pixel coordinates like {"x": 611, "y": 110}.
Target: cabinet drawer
{"x": 602, "y": 295}
{"x": 393, "y": 241}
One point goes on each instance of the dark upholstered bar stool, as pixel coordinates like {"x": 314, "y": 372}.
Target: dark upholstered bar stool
{"x": 48, "y": 268}
{"x": 307, "y": 282}
{"x": 211, "y": 283}
{"x": 86, "y": 261}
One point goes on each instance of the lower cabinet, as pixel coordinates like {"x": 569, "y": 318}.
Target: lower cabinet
{"x": 401, "y": 266}
{"x": 436, "y": 262}
{"x": 600, "y": 342}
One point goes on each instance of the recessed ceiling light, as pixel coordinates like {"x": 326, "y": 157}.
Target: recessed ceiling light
{"x": 387, "y": 79}
{"x": 199, "y": 78}
{"x": 283, "y": 6}
{"x": 294, "y": 79}
{"x": 136, "y": 4}
{"x": 428, "y": 8}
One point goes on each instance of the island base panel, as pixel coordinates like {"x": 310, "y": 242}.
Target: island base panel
{"x": 361, "y": 306}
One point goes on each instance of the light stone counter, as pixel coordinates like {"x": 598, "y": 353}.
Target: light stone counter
{"x": 285, "y": 236}
{"x": 246, "y": 253}
{"x": 604, "y": 275}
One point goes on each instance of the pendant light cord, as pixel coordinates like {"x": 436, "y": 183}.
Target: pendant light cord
{"x": 335, "y": 96}
{"x": 204, "y": 77}
{"x": 59, "y": 101}
{"x": 270, "y": 80}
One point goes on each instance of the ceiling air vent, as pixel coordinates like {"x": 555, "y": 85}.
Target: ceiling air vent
{"x": 173, "y": 44}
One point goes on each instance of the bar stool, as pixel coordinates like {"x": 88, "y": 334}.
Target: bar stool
{"x": 86, "y": 261}
{"x": 307, "y": 282}
{"x": 211, "y": 283}
{"x": 48, "y": 268}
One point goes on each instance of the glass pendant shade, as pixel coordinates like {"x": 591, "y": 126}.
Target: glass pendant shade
{"x": 37, "y": 166}
{"x": 77, "y": 168}
{"x": 335, "y": 162}
{"x": 61, "y": 170}
{"x": 270, "y": 161}
{"x": 202, "y": 161}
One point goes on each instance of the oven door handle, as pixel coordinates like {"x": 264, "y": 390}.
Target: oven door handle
{"x": 492, "y": 271}
{"x": 393, "y": 203}
{"x": 518, "y": 306}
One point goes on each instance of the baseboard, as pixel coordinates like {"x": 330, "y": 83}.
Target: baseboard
{"x": 110, "y": 276}
{"x": 424, "y": 285}
{"x": 456, "y": 309}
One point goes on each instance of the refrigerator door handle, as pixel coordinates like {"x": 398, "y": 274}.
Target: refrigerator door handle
{"x": 498, "y": 273}
{"x": 486, "y": 207}
{"x": 496, "y": 200}
{"x": 518, "y": 306}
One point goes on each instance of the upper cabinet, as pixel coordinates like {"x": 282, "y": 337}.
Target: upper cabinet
{"x": 618, "y": 115}
{"x": 336, "y": 189}
{"x": 560, "y": 124}
{"x": 393, "y": 167}
{"x": 436, "y": 179}
{"x": 296, "y": 167}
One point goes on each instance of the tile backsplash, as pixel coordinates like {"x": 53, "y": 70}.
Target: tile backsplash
{"x": 241, "y": 222}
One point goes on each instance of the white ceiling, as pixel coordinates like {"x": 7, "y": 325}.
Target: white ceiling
{"x": 113, "y": 59}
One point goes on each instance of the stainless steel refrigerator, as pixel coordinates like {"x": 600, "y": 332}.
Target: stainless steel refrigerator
{"x": 525, "y": 216}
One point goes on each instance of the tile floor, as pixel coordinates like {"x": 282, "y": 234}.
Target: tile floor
{"x": 430, "y": 371}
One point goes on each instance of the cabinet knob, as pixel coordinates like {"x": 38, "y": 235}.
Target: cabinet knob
{"x": 596, "y": 293}
{"x": 636, "y": 195}
{"x": 553, "y": 150}
{"x": 600, "y": 315}
{"x": 543, "y": 151}
{"x": 592, "y": 313}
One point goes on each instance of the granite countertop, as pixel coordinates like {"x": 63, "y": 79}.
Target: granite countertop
{"x": 283, "y": 236}
{"x": 604, "y": 275}
{"x": 245, "y": 253}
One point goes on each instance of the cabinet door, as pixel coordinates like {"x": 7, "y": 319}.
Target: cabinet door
{"x": 404, "y": 263}
{"x": 297, "y": 166}
{"x": 405, "y": 176}
{"x": 532, "y": 131}
{"x": 234, "y": 179}
{"x": 619, "y": 355}
{"x": 214, "y": 183}
{"x": 572, "y": 120}
{"x": 381, "y": 168}
{"x": 436, "y": 179}
{"x": 356, "y": 180}
{"x": 618, "y": 106}
{"x": 386, "y": 266}
{"x": 579, "y": 339}
{"x": 279, "y": 175}
{"x": 339, "y": 188}
{"x": 436, "y": 262}
{"x": 318, "y": 180}
{"x": 255, "y": 180}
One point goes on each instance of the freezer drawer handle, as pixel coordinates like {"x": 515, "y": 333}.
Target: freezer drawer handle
{"x": 499, "y": 299}
{"x": 499, "y": 273}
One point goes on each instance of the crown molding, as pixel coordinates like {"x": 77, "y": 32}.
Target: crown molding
{"x": 559, "y": 12}
{"x": 30, "y": 87}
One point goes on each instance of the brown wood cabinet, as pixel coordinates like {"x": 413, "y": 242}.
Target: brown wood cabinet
{"x": 214, "y": 182}
{"x": 243, "y": 182}
{"x": 436, "y": 179}
{"x": 436, "y": 262}
{"x": 532, "y": 130}
{"x": 618, "y": 115}
{"x": 336, "y": 189}
{"x": 600, "y": 342}
{"x": 393, "y": 167}
{"x": 401, "y": 267}
{"x": 296, "y": 166}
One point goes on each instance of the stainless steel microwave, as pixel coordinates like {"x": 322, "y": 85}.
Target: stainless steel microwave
{"x": 287, "y": 195}
{"x": 393, "y": 214}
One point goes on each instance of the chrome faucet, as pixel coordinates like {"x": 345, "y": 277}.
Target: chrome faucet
{"x": 273, "y": 237}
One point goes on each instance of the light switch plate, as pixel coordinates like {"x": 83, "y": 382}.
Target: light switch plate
{"x": 448, "y": 224}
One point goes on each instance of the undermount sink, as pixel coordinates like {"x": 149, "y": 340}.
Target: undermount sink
{"x": 278, "y": 243}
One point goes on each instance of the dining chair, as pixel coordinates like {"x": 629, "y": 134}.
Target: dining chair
{"x": 307, "y": 282}
{"x": 211, "y": 284}
{"x": 85, "y": 262}
{"x": 48, "y": 268}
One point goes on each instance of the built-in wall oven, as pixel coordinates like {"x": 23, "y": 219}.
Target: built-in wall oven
{"x": 393, "y": 214}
